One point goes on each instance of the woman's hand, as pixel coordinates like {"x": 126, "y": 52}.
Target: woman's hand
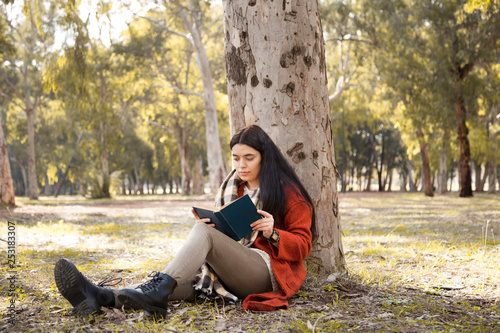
{"x": 265, "y": 224}
{"x": 198, "y": 220}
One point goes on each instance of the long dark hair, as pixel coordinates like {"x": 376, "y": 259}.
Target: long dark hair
{"x": 276, "y": 174}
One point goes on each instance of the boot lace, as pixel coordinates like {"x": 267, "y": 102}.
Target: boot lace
{"x": 109, "y": 282}
{"x": 151, "y": 284}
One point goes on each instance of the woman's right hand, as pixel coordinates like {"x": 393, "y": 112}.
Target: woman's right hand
{"x": 198, "y": 220}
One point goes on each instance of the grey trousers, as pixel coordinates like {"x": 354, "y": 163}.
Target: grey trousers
{"x": 241, "y": 270}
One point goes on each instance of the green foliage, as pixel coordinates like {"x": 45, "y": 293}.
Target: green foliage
{"x": 399, "y": 57}
{"x": 129, "y": 108}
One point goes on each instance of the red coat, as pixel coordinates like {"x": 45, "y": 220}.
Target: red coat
{"x": 286, "y": 260}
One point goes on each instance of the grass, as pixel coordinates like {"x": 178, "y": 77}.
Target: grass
{"x": 415, "y": 264}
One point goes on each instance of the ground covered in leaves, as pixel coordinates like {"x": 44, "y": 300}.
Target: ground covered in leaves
{"x": 415, "y": 264}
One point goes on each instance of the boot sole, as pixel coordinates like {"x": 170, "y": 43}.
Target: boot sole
{"x": 68, "y": 282}
{"x": 129, "y": 300}
{"x": 85, "y": 309}
{"x": 70, "y": 285}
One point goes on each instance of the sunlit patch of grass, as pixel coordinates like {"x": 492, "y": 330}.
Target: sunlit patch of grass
{"x": 425, "y": 244}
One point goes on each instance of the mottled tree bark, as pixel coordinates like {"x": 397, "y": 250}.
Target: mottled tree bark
{"x": 276, "y": 75}
{"x": 6, "y": 185}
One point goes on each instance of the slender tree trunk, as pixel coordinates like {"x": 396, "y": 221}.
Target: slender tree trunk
{"x": 434, "y": 177}
{"x": 465, "y": 179}
{"x": 131, "y": 184}
{"x": 32, "y": 178}
{"x": 198, "y": 183}
{"x": 46, "y": 187}
{"x": 25, "y": 177}
{"x": 492, "y": 179}
{"x": 402, "y": 181}
{"x": 389, "y": 186}
{"x": 369, "y": 179}
{"x": 485, "y": 175}
{"x": 381, "y": 186}
{"x": 426, "y": 169}
{"x": 452, "y": 176}
{"x": 276, "y": 75}
{"x": 492, "y": 174}
{"x": 442, "y": 165}
{"x": 63, "y": 178}
{"x": 181, "y": 139}
{"x": 411, "y": 180}
{"x": 105, "y": 161}
{"x": 176, "y": 183}
{"x": 7, "y": 196}
{"x": 138, "y": 181}
{"x": 124, "y": 188}
{"x": 82, "y": 187}
{"x": 171, "y": 186}
{"x": 216, "y": 169}
{"x": 477, "y": 174}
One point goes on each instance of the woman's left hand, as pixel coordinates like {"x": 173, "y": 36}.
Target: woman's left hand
{"x": 265, "y": 224}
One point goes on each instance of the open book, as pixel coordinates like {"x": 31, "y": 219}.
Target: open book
{"x": 233, "y": 219}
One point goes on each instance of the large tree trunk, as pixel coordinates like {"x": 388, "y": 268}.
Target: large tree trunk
{"x": 426, "y": 169}
{"x": 216, "y": 169}
{"x": 6, "y": 184}
{"x": 276, "y": 75}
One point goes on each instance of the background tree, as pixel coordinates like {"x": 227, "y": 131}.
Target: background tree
{"x": 193, "y": 20}
{"x": 173, "y": 96}
{"x": 276, "y": 75}
{"x": 469, "y": 39}
{"x": 33, "y": 35}
{"x": 7, "y": 196}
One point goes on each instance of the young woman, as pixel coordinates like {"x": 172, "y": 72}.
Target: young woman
{"x": 264, "y": 269}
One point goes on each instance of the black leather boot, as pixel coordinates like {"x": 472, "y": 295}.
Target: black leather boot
{"x": 86, "y": 297}
{"x": 151, "y": 296}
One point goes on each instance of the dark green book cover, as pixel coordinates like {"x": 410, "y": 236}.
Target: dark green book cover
{"x": 233, "y": 219}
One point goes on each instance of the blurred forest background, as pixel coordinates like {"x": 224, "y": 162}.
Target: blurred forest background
{"x": 109, "y": 97}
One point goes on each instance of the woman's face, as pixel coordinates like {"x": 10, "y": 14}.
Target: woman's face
{"x": 246, "y": 161}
